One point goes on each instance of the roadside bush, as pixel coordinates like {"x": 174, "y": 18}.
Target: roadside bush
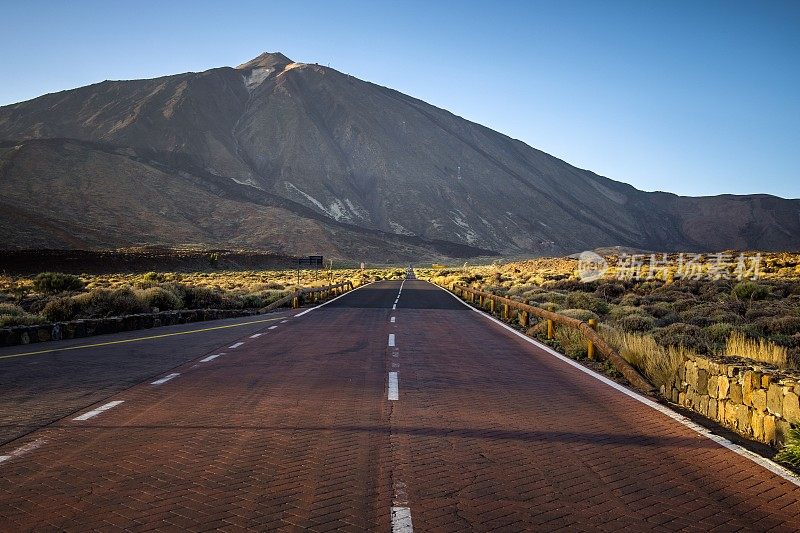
{"x": 549, "y": 296}
{"x": 636, "y": 323}
{"x": 580, "y": 314}
{"x": 619, "y": 311}
{"x": 784, "y": 325}
{"x": 159, "y": 297}
{"x": 680, "y": 334}
{"x": 572, "y": 342}
{"x": 13, "y": 315}
{"x": 720, "y": 331}
{"x": 749, "y": 290}
{"x": 203, "y": 298}
{"x": 582, "y": 300}
{"x": 790, "y": 453}
{"x": 252, "y": 301}
{"x": 108, "y": 302}
{"x": 156, "y": 277}
{"x": 60, "y": 309}
{"x": 55, "y": 282}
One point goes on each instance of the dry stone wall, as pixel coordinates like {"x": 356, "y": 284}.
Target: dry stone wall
{"x": 756, "y": 401}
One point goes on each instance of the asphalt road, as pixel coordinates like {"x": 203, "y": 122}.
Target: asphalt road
{"x": 388, "y": 408}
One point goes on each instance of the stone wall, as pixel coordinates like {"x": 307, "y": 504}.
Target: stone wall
{"x": 756, "y": 401}
{"x": 97, "y": 326}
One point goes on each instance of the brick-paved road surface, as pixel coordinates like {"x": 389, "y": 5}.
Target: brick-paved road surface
{"x": 293, "y": 429}
{"x": 39, "y": 389}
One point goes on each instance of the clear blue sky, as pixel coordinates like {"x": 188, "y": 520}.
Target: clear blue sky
{"x": 693, "y": 97}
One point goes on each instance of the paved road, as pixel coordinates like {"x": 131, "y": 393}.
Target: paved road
{"x": 358, "y": 416}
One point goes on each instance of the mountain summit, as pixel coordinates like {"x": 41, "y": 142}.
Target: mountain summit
{"x": 297, "y": 157}
{"x": 266, "y": 60}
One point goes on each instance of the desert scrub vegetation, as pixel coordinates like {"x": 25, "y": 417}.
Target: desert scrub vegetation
{"x": 56, "y": 297}
{"x": 709, "y": 314}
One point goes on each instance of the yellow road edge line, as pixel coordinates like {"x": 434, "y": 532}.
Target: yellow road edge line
{"x": 39, "y": 352}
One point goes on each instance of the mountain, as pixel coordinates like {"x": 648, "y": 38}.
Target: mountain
{"x": 300, "y": 158}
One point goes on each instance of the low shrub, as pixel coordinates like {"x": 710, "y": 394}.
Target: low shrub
{"x": 720, "y": 331}
{"x": 580, "y": 314}
{"x": 680, "y": 334}
{"x": 636, "y": 323}
{"x": 790, "y": 453}
{"x": 252, "y": 301}
{"x": 204, "y": 298}
{"x": 582, "y": 300}
{"x": 158, "y": 297}
{"x": 60, "y": 309}
{"x": 157, "y": 277}
{"x": 14, "y": 315}
{"x": 750, "y": 290}
{"x": 571, "y": 340}
{"x": 783, "y": 325}
{"x": 56, "y": 282}
{"x": 109, "y": 302}
{"x": 619, "y": 311}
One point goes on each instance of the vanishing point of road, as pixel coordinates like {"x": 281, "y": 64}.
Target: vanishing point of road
{"x": 392, "y": 407}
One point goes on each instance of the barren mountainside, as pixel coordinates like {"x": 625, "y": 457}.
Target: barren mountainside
{"x": 300, "y": 158}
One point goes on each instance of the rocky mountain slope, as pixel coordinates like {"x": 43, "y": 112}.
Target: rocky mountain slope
{"x": 295, "y": 157}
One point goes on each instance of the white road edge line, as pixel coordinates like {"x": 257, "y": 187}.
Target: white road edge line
{"x": 95, "y": 412}
{"x": 391, "y": 339}
{"x": 333, "y": 299}
{"x": 772, "y": 466}
{"x": 210, "y": 358}
{"x": 401, "y": 520}
{"x": 394, "y": 389}
{"x": 231, "y": 347}
{"x": 165, "y": 378}
{"x": 255, "y": 336}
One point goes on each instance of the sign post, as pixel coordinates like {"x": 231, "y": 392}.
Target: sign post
{"x": 312, "y": 261}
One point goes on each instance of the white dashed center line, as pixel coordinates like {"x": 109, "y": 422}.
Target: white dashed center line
{"x": 272, "y": 327}
{"x": 284, "y": 321}
{"x": 22, "y": 450}
{"x": 165, "y": 379}
{"x": 95, "y": 412}
{"x": 394, "y": 307}
{"x": 231, "y": 347}
{"x": 391, "y": 320}
{"x": 394, "y": 389}
{"x": 257, "y": 335}
{"x": 391, "y": 339}
{"x": 401, "y": 520}
{"x": 210, "y": 358}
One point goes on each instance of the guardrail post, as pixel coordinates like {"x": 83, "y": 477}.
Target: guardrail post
{"x": 523, "y": 318}
{"x": 491, "y": 306}
{"x": 590, "y": 347}
{"x": 505, "y": 311}
{"x": 549, "y": 328}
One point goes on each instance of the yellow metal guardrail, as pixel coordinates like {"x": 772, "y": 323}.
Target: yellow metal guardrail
{"x": 595, "y": 343}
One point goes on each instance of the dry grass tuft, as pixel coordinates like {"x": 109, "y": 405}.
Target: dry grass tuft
{"x": 658, "y": 363}
{"x": 758, "y": 350}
